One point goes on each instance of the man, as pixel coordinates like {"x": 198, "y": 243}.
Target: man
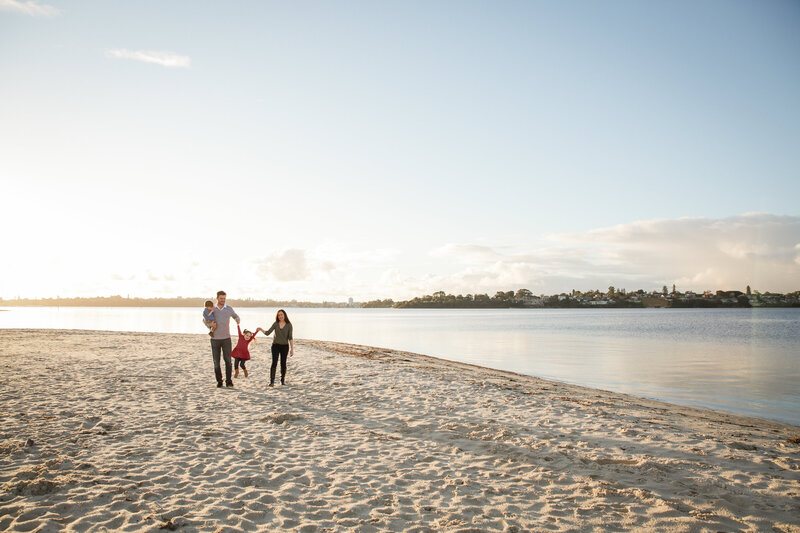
{"x": 221, "y": 340}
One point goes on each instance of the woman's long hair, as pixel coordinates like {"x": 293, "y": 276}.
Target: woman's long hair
{"x": 285, "y": 316}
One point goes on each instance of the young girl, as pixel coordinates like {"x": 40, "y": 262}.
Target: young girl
{"x": 241, "y": 352}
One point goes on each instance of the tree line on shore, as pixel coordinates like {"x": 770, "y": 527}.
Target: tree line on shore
{"x": 501, "y": 300}
{"x": 612, "y": 298}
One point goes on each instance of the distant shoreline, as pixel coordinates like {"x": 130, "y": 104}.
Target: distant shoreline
{"x": 521, "y": 299}
{"x": 309, "y": 305}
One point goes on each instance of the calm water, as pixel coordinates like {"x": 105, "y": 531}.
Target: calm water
{"x": 738, "y": 360}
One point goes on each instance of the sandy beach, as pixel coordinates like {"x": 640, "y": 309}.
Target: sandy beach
{"x": 128, "y": 432}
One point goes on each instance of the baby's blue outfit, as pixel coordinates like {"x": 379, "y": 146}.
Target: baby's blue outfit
{"x": 208, "y": 317}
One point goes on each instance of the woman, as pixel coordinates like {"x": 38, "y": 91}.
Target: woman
{"x": 282, "y": 344}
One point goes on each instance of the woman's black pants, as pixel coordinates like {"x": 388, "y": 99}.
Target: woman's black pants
{"x": 281, "y": 350}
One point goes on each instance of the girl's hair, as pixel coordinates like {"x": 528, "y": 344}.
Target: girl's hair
{"x": 247, "y": 331}
{"x": 252, "y": 336}
{"x": 285, "y": 316}
{"x": 209, "y": 303}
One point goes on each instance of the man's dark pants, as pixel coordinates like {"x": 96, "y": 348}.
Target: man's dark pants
{"x": 224, "y": 346}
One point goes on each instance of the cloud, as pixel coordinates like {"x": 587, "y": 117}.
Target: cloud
{"x": 693, "y": 244}
{"x": 166, "y": 59}
{"x": 329, "y": 271}
{"x": 697, "y": 253}
{"x": 29, "y": 7}
{"x": 757, "y": 249}
{"x": 289, "y": 265}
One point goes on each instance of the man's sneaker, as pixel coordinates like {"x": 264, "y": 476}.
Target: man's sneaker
{"x": 283, "y": 382}
{"x": 271, "y": 383}
{"x": 229, "y": 384}
{"x": 219, "y": 385}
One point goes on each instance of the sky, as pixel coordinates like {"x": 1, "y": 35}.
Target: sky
{"x": 327, "y": 150}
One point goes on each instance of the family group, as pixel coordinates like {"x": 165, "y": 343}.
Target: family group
{"x": 218, "y": 317}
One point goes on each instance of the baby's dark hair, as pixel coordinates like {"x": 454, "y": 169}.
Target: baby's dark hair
{"x": 209, "y": 303}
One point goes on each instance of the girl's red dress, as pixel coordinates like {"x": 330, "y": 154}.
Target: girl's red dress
{"x": 241, "y": 351}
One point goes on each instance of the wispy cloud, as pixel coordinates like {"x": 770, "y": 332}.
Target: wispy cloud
{"x": 165, "y": 59}
{"x": 29, "y": 7}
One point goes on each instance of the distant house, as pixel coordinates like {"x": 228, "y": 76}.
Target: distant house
{"x": 729, "y": 294}
{"x": 771, "y": 298}
{"x": 529, "y": 300}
